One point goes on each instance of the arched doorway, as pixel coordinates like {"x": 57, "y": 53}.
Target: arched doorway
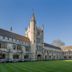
{"x": 2, "y": 56}
{"x": 70, "y": 57}
{"x": 15, "y": 56}
{"x": 65, "y": 57}
{"x": 39, "y": 57}
{"x": 26, "y": 57}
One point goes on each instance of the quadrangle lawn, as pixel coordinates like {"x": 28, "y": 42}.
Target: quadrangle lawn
{"x": 40, "y": 66}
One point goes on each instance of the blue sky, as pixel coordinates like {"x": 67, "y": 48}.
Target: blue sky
{"x": 56, "y": 15}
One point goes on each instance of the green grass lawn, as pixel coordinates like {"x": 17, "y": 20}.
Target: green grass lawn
{"x": 41, "y": 66}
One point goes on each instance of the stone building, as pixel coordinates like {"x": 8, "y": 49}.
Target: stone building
{"x": 31, "y": 47}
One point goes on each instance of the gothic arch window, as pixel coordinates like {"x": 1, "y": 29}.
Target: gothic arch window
{"x": 15, "y": 56}
{"x": 2, "y": 56}
{"x": 26, "y": 56}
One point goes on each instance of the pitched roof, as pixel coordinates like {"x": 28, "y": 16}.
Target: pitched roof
{"x": 13, "y": 35}
{"x": 51, "y": 46}
{"x": 67, "y": 47}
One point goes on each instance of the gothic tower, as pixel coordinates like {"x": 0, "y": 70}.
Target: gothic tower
{"x": 33, "y": 29}
{"x": 31, "y": 34}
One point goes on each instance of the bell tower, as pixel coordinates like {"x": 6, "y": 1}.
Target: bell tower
{"x": 31, "y": 34}
{"x": 33, "y": 29}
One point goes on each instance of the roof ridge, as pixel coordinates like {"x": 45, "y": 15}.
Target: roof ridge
{"x": 13, "y": 35}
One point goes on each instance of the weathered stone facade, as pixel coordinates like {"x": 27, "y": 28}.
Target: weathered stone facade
{"x": 31, "y": 47}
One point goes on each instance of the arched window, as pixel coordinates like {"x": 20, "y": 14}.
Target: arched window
{"x": 15, "y": 56}
{"x": 2, "y": 56}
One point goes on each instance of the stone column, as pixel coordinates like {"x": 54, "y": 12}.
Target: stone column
{"x": 23, "y": 52}
{"x": 10, "y": 52}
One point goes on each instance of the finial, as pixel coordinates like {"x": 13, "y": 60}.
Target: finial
{"x": 33, "y": 15}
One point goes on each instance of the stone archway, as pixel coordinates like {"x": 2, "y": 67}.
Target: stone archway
{"x": 39, "y": 57}
{"x": 70, "y": 57}
{"x": 26, "y": 57}
{"x": 2, "y": 56}
{"x": 15, "y": 56}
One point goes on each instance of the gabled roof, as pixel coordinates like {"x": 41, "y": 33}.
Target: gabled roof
{"x": 51, "y": 46}
{"x": 67, "y": 47}
{"x": 13, "y": 35}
